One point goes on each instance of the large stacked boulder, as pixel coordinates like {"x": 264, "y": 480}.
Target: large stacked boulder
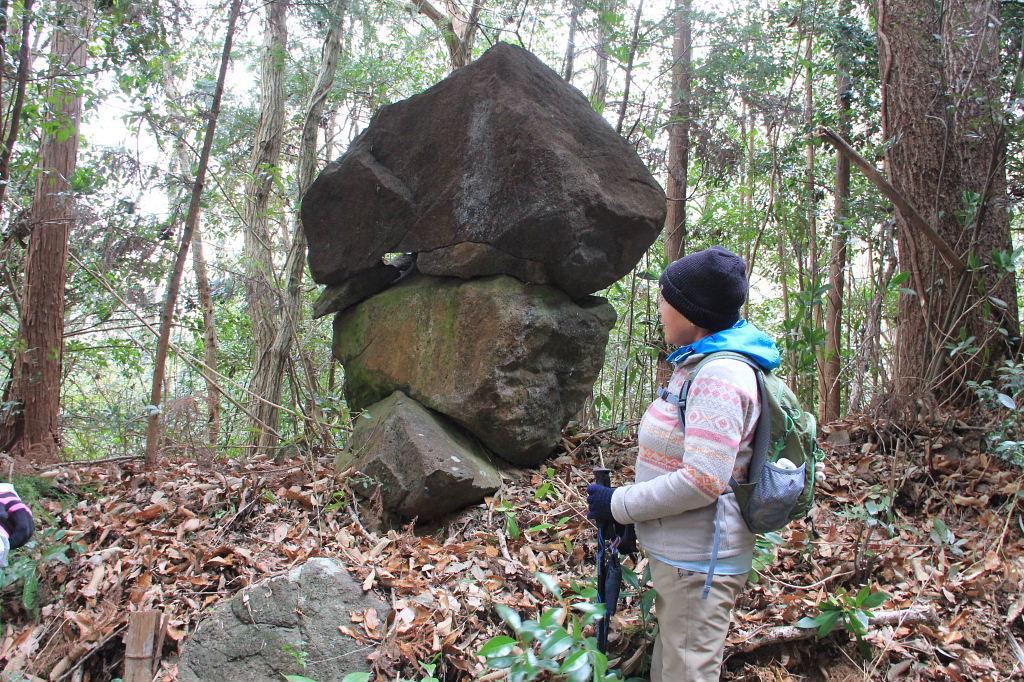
{"x": 501, "y": 168}
{"x": 460, "y": 237}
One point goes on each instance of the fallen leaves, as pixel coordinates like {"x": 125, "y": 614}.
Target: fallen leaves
{"x": 185, "y": 537}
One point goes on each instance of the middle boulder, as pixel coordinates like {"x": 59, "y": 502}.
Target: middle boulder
{"x": 510, "y": 362}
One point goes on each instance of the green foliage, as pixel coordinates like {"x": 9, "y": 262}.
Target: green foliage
{"x": 639, "y": 586}
{"x": 875, "y": 511}
{"x": 1002, "y": 395}
{"x": 27, "y": 567}
{"x": 847, "y": 610}
{"x": 555, "y": 645}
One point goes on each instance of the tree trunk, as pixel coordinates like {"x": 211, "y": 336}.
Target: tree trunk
{"x": 679, "y": 132}
{"x": 291, "y": 312}
{"x": 13, "y": 122}
{"x": 570, "y": 47}
{"x": 191, "y": 220}
{"x": 634, "y": 45}
{"x": 599, "y": 89}
{"x": 258, "y": 260}
{"x": 812, "y": 281}
{"x": 786, "y": 311}
{"x": 210, "y": 340}
{"x": 831, "y": 389}
{"x": 34, "y": 432}
{"x": 870, "y": 334}
{"x": 941, "y": 105}
{"x": 457, "y": 28}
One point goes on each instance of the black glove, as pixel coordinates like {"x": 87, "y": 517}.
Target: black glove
{"x": 16, "y": 517}
{"x": 599, "y": 502}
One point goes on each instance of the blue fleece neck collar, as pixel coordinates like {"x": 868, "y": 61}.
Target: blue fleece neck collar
{"x": 743, "y": 337}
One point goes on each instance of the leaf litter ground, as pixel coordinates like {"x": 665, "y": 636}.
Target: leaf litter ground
{"x": 919, "y": 514}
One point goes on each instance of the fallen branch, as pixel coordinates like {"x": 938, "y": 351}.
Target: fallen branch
{"x": 908, "y": 212}
{"x": 105, "y": 460}
{"x": 791, "y": 633}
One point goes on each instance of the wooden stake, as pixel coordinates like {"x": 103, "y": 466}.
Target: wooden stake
{"x": 143, "y": 643}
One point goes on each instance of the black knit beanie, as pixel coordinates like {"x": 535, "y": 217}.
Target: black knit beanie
{"x": 707, "y": 287}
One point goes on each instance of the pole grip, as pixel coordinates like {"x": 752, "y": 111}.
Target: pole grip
{"x": 603, "y": 476}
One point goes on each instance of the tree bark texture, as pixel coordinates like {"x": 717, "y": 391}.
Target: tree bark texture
{"x": 191, "y": 220}
{"x": 34, "y": 432}
{"x": 295, "y": 267}
{"x": 679, "y": 132}
{"x": 831, "y": 389}
{"x": 260, "y": 282}
{"x": 942, "y": 112}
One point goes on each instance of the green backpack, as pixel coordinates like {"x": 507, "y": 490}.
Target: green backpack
{"x": 772, "y": 496}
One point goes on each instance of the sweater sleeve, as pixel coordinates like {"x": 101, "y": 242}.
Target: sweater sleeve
{"x": 719, "y": 417}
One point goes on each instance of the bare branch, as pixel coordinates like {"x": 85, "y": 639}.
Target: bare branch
{"x": 885, "y": 187}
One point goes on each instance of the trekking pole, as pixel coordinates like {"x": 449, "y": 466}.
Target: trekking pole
{"x": 603, "y": 476}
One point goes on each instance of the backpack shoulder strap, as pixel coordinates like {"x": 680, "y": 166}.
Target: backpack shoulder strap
{"x": 763, "y": 430}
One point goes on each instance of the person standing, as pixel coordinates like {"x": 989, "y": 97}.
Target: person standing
{"x": 689, "y": 526}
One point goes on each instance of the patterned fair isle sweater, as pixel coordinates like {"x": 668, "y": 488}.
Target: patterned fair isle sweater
{"x": 679, "y": 476}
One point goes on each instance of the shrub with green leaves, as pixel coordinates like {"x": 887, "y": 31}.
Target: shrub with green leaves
{"x": 1002, "y": 395}
{"x": 554, "y": 645}
{"x": 27, "y": 564}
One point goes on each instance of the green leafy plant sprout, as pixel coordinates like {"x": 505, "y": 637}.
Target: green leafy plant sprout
{"x": 338, "y": 500}
{"x": 557, "y": 525}
{"x": 1002, "y": 395}
{"x": 848, "y": 610}
{"x": 511, "y": 525}
{"x": 943, "y": 537}
{"x": 547, "y": 490}
{"x": 297, "y": 652}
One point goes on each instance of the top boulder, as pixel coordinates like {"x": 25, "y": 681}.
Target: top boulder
{"x": 501, "y": 168}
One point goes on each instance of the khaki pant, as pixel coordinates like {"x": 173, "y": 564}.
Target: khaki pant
{"x": 691, "y": 631}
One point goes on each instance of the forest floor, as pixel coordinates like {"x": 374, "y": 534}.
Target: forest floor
{"x": 920, "y": 515}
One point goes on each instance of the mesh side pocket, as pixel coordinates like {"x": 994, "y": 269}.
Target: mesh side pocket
{"x": 774, "y": 497}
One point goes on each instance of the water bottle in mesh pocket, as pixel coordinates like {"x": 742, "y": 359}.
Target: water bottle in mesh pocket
{"x": 774, "y": 497}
